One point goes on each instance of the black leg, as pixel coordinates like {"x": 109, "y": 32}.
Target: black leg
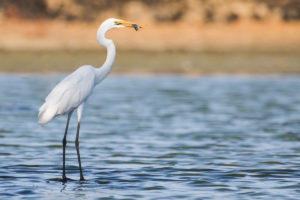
{"x": 78, "y": 153}
{"x": 64, "y": 142}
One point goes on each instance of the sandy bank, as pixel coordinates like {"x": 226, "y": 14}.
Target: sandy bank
{"x": 239, "y": 36}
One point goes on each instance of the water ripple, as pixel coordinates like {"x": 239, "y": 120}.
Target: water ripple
{"x": 166, "y": 137}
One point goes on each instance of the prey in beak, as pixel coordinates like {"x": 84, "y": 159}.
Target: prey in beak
{"x": 136, "y": 27}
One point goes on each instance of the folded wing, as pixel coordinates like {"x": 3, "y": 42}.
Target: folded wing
{"x": 68, "y": 94}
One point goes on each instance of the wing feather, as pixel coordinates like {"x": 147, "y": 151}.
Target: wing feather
{"x": 68, "y": 94}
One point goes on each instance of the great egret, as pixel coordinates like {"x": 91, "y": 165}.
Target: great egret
{"x": 72, "y": 92}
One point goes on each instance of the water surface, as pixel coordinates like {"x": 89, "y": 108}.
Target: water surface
{"x": 163, "y": 137}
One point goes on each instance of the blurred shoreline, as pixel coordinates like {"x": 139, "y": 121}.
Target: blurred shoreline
{"x": 44, "y": 34}
{"x": 191, "y": 37}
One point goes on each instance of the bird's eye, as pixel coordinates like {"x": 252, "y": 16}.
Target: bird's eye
{"x": 118, "y": 23}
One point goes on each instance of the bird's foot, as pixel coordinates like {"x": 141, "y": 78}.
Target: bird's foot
{"x": 82, "y": 178}
{"x": 64, "y": 179}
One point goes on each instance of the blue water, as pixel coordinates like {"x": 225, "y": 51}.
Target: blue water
{"x": 156, "y": 137}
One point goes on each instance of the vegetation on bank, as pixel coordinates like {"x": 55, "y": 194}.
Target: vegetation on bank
{"x": 205, "y": 63}
{"x": 204, "y": 11}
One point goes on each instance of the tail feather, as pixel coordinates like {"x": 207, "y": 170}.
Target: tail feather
{"x": 46, "y": 114}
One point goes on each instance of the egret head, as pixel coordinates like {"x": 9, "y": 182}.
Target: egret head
{"x": 112, "y": 23}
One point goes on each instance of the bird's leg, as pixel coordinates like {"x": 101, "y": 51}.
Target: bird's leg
{"x": 78, "y": 153}
{"x": 64, "y": 142}
{"x": 79, "y": 113}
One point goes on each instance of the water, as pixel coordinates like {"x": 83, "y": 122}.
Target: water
{"x": 163, "y": 137}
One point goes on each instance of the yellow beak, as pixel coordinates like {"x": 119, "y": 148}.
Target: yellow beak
{"x": 129, "y": 24}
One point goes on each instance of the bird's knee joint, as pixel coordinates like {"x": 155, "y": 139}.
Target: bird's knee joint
{"x": 64, "y": 141}
{"x": 76, "y": 143}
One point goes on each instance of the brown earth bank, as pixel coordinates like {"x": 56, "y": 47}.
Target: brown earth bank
{"x": 171, "y": 25}
{"x": 43, "y": 34}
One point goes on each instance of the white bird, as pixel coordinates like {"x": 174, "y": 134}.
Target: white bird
{"x": 73, "y": 91}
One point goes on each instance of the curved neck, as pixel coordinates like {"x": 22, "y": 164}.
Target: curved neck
{"x": 103, "y": 71}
